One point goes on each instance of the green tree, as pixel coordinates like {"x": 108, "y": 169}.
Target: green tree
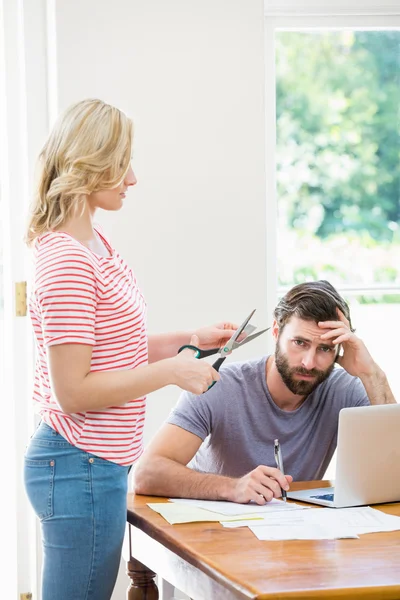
{"x": 338, "y": 138}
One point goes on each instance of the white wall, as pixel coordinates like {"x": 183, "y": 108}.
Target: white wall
{"x": 191, "y": 74}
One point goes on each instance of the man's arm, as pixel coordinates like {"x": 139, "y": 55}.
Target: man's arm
{"x": 377, "y": 387}
{"x": 357, "y": 360}
{"x": 162, "y": 471}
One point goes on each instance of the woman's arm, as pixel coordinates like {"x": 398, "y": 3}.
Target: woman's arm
{"x": 166, "y": 345}
{"x": 77, "y": 389}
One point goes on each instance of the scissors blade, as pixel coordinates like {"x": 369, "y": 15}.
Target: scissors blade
{"x": 229, "y": 345}
{"x": 249, "y": 329}
{"x": 249, "y": 338}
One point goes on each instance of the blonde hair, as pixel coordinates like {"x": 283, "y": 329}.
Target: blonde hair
{"x": 89, "y": 149}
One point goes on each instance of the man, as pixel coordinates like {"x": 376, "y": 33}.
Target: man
{"x": 227, "y": 434}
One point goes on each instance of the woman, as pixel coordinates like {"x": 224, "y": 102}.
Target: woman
{"x": 95, "y": 363}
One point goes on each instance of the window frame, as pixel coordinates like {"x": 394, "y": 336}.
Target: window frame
{"x": 359, "y": 8}
{"x": 286, "y": 15}
{"x": 318, "y": 14}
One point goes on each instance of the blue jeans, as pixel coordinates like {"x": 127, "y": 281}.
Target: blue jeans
{"x": 80, "y": 500}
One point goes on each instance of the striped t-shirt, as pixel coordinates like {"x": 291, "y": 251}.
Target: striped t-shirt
{"x": 80, "y": 297}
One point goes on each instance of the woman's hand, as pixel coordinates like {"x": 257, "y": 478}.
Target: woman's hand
{"x": 192, "y": 374}
{"x": 166, "y": 345}
{"x": 215, "y": 336}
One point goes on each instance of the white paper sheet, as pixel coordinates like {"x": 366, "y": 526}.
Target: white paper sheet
{"x": 275, "y": 518}
{"x": 291, "y": 519}
{"x": 178, "y": 513}
{"x": 363, "y": 519}
{"x": 232, "y": 508}
{"x": 333, "y": 523}
{"x": 301, "y": 532}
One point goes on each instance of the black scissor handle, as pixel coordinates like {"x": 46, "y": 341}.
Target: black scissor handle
{"x": 218, "y": 363}
{"x": 216, "y": 366}
{"x": 196, "y": 350}
{"x": 199, "y": 353}
{"x": 202, "y": 354}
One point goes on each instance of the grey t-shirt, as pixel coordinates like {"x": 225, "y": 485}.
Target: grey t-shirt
{"x": 238, "y": 422}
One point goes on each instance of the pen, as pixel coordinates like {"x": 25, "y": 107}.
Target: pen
{"x": 279, "y": 464}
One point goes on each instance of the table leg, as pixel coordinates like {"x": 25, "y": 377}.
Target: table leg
{"x": 142, "y": 586}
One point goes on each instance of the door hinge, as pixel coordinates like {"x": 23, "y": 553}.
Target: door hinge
{"x": 26, "y": 596}
{"x": 20, "y": 299}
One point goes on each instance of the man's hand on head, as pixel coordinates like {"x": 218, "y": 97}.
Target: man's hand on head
{"x": 356, "y": 359}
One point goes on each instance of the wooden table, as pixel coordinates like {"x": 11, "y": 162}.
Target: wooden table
{"x": 209, "y": 562}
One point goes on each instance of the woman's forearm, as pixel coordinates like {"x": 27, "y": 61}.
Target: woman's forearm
{"x": 166, "y": 345}
{"x": 99, "y": 390}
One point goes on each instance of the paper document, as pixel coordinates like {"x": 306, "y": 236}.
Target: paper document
{"x": 316, "y": 522}
{"x": 291, "y": 519}
{"x": 363, "y": 519}
{"x": 232, "y": 508}
{"x": 178, "y": 513}
{"x": 301, "y": 532}
{"x": 279, "y": 520}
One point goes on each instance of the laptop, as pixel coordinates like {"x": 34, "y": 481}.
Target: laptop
{"x": 368, "y": 459}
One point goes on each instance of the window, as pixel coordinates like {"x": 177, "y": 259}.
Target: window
{"x": 338, "y": 181}
{"x": 333, "y": 165}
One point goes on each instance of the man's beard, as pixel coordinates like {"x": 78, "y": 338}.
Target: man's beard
{"x": 300, "y": 387}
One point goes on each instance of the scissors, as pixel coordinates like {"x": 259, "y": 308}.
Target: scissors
{"x": 232, "y": 343}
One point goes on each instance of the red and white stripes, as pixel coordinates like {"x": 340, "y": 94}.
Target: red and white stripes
{"x": 81, "y": 297}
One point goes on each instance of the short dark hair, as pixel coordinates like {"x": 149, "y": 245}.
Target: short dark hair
{"x": 311, "y": 301}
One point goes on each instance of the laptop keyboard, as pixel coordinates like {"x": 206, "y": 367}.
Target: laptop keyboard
{"x": 329, "y": 497}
